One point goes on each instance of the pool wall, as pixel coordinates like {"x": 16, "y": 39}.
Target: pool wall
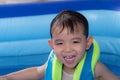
{"x": 24, "y": 31}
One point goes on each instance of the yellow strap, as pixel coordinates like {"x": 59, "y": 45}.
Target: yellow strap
{"x": 79, "y": 68}
{"x": 56, "y": 69}
{"x": 95, "y": 56}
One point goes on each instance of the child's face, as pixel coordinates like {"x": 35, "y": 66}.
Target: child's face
{"x": 69, "y": 47}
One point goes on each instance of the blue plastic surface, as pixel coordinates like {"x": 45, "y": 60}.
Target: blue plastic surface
{"x": 24, "y": 31}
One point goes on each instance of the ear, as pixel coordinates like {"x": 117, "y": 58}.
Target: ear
{"x": 50, "y": 43}
{"x": 89, "y": 42}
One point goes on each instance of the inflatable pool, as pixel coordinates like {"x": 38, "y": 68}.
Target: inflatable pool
{"x": 24, "y": 31}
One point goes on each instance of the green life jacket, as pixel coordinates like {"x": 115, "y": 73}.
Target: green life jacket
{"x": 84, "y": 69}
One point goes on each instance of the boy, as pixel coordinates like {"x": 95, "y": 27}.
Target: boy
{"x": 69, "y": 41}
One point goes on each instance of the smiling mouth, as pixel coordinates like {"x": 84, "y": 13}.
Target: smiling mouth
{"x": 69, "y": 59}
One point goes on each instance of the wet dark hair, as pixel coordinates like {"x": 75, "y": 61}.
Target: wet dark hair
{"x": 68, "y": 19}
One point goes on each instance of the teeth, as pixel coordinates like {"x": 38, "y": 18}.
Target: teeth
{"x": 68, "y": 57}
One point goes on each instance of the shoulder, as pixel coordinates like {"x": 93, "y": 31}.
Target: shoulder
{"x": 101, "y": 71}
{"x": 41, "y": 68}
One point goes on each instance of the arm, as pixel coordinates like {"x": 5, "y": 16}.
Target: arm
{"x": 103, "y": 73}
{"x": 33, "y": 73}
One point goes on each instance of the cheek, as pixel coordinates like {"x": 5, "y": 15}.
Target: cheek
{"x": 58, "y": 55}
{"x": 80, "y": 49}
{"x": 84, "y": 46}
{"x": 81, "y": 52}
{"x": 57, "y": 51}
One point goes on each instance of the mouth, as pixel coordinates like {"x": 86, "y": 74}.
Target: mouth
{"x": 69, "y": 59}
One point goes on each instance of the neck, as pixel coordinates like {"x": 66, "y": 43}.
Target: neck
{"x": 68, "y": 70}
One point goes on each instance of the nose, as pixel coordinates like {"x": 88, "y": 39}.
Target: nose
{"x": 68, "y": 47}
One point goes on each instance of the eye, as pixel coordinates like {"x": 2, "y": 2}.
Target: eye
{"x": 58, "y": 43}
{"x": 76, "y": 41}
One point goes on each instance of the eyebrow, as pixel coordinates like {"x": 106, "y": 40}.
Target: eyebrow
{"x": 78, "y": 38}
{"x": 58, "y": 40}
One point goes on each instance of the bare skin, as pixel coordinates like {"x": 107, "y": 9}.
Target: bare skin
{"x": 33, "y": 73}
{"x": 102, "y": 73}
